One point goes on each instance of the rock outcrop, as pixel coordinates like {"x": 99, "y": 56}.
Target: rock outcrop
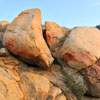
{"x": 92, "y": 76}
{"x": 24, "y": 38}
{"x": 32, "y": 83}
{"x": 29, "y": 72}
{"x": 53, "y": 35}
{"x": 81, "y": 47}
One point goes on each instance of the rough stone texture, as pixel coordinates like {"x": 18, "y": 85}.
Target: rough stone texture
{"x": 55, "y": 91}
{"x": 33, "y": 83}
{"x": 9, "y": 78}
{"x": 75, "y": 74}
{"x": 53, "y": 35}
{"x": 55, "y": 77}
{"x": 79, "y": 49}
{"x": 24, "y": 38}
{"x": 92, "y": 76}
{"x": 3, "y": 52}
{"x": 33, "y": 86}
{"x": 60, "y": 97}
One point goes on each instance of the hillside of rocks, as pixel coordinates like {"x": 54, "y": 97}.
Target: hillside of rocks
{"x": 48, "y": 62}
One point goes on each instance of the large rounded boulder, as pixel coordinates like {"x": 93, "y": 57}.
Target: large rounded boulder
{"x": 24, "y": 39}
{"x": 81, "y": 47}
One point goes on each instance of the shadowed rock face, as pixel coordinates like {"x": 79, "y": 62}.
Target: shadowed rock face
{"x": 81, "y": 47}
{"x": 90, "y": 98}
{"x": 24, "y": 38}
{"x": 92, "y": 76}
{"x": 3, "y": 27}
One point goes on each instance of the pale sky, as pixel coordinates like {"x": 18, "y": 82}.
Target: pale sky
{"x": 66, "y": 13}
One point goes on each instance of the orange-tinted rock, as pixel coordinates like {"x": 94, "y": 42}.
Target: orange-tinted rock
{"x": 24, "y": 38}
{"x": 92, "y": 77}
{"x": 34, "y": 86}
{"x": 4, "y": 23}
{"x": 53, "y": 35}
{"x": 93, "y": 70}
{"x": 55, "y": 91}
{"x": 38, "y": 84}
{"x": 81, "y": 47}
{"x": 9, "y": 78}
{"x": 9, "y": 88}
{"x": 60, "y": 97}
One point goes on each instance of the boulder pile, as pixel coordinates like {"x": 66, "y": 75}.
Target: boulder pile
{"x": 48, "y": 62}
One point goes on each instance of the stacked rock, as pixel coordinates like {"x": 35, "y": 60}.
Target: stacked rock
{"x": 49, "y": 62}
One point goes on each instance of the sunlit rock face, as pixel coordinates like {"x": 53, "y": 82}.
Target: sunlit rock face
{"x": 81, "y": 47}
{"x": 28, "y": 70}
{"x": 24, "y": 38}
{"x": 54, "y": 33}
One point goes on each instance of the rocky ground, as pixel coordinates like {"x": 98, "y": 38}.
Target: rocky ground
{"x": 48, "y": 62}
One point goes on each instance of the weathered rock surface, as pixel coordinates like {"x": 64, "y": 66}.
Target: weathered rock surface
{"x": 24, "y": 38}
{"x": 81, "y": 47}
{"x": 23, "y": 83}
{"x": 61, "y": 97}
{"x": 9, "y": 78}
{"x": 56, "y": 82}
{"x": 32, "y": 83}
{"x": 92, "y": 76}
{"x": 74, "y": 73}
{"x": 54, "y": 33}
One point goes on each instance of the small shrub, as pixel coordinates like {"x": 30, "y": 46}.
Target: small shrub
{"x": 98, "y": 26}
{"x": 0, "y": 28}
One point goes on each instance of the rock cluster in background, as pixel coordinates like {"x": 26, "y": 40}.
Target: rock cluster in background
{"x": 48, "y": 62}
